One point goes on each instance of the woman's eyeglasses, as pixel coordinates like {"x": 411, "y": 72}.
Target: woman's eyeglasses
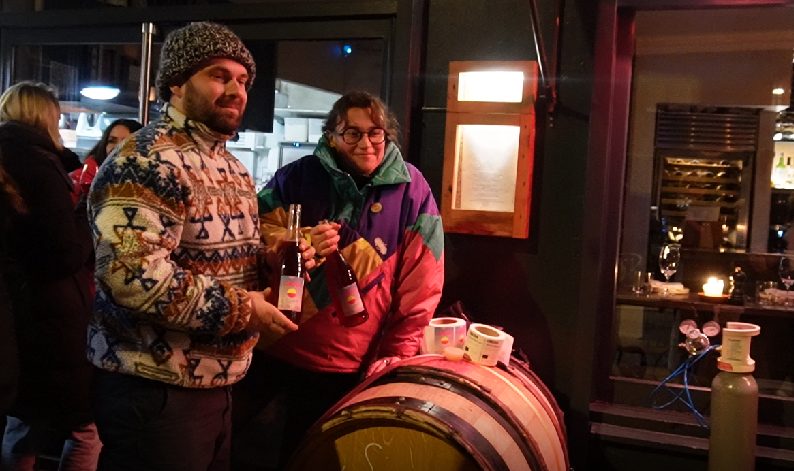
{"x": 353, "y": 135}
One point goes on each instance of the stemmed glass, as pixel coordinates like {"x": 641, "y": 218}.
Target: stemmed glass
{"x": 669, "y": 258}
{"x": 786, "y": 272}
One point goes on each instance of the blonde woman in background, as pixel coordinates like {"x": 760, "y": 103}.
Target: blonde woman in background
{"x": 47, "y": 252}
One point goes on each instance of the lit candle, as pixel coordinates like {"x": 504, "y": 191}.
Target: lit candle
{"x": 713, "y": 287}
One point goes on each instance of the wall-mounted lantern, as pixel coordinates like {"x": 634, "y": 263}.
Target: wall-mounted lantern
{"x": 489, "y": 147}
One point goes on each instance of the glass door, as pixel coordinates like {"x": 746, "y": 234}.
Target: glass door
{"x": 73, "y": 61}
{"x": 302, "y": 68}
{"x": 698, "y": 159}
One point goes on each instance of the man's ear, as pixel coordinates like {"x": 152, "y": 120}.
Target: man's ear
{"x": 331, "y": 141}
{"x": 177, "y": 90}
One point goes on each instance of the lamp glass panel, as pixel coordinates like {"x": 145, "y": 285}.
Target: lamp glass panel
{"x": 503, "y": 86}
{"x": 487, "y": 161}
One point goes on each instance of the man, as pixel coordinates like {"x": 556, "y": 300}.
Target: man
{"x": 174, "y": 218}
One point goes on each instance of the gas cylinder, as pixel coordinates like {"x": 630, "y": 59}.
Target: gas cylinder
{"x": 734, "y": 402}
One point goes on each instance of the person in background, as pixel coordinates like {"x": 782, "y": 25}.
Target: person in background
{"x": 117, "y": 131}
{"x": 47, "y": 252}
{"x": 11, "y": 205}
{"x": 112, "y": 136}
{"x": 175, "y": 224}
{"x": 386, "y": 222}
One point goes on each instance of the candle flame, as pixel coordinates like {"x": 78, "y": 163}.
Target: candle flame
{"x": 713, "y": 287}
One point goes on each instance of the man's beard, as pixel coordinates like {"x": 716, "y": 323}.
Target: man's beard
{"x": 212, "y": 114}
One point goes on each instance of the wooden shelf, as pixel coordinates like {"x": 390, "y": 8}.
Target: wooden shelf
{"x": 699, "y": 191}
{"x": 688, "y": 179}
{"x": 694, "y": 163}
{"x": 721, "y": 204}
{"x": 682, "y": 214}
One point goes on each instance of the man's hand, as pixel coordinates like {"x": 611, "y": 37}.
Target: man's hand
{"x": 266, "y": 318}
{"x": 325, "y": 237}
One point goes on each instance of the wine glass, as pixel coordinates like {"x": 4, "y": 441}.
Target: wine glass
{"x": 669, "y": 258}
{"x": 786, "y": 272}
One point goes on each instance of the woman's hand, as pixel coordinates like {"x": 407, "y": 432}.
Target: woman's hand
{"x": 380, "y": 364}
{"x": 307, "y": 253}
{"x": 325, "y": 237}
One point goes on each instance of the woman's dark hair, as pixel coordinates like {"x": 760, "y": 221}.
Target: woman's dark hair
{"x": 378, "y": 111}
{"x": 99, "y": 151}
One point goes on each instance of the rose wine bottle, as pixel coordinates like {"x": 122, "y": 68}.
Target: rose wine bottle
{"x": 343, "y": 285}
{"x": 288, "y": 289}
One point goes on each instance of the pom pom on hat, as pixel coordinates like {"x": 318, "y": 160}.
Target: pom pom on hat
{"x": 189, "y": 47}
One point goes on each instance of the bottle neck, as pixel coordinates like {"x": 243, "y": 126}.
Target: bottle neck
{"x": 294, "y": 223}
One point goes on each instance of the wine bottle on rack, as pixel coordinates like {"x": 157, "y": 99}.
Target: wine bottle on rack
{"x": 288, "y": 287}
{"x": 779, "y": 173}
{"x": 343, "y": 286}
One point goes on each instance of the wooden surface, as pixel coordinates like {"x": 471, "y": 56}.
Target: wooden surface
{"x": 693, "y": 301}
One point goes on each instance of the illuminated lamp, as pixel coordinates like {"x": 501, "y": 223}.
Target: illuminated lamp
{"x": 489, "y": 147}
{"x": 100, "y": 92}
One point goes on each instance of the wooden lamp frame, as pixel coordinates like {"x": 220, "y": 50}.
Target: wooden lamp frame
{"x": 460, "y": 113}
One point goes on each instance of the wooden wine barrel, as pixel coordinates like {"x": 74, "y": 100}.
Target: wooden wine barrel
{"x": 429, "y": 413}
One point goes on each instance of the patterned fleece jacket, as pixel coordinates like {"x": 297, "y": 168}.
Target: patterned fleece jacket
{"x": 176, "y": 231}
{"x": 392, "y": 237}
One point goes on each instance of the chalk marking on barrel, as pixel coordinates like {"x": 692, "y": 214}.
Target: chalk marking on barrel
{"x": 366, "y": 454}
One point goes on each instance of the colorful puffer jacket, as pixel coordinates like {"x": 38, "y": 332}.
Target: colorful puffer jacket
{"x": 176, "y": 231}
{"x": 392, "y": 237}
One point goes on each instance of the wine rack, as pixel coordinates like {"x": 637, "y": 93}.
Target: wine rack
{"x": 703, "y": 182}
{"x": 704, "y": 171}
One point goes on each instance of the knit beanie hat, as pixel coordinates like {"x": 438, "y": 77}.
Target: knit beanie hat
{"x": 188, "y": 48}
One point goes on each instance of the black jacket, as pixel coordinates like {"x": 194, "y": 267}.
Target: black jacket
{"x": 48, "y": 250}
{"x": 9, "y": 366}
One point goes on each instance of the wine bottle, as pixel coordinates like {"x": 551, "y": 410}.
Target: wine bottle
{"x": 343, "y": 285}
{"x": 288, "y": 289}
{"x": 780, "y": 173}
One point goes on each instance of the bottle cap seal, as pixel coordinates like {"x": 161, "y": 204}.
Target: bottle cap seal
{"x": 735, "y": 350}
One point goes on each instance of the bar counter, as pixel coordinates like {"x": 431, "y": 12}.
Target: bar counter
{"x": 693, "y": 301}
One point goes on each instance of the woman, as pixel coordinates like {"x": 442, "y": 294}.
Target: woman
{"x": 48, "y": 248}
{"x": 10, "y": 204}
{"x": 388, "y": 228}
{"x": 116, "y": 132}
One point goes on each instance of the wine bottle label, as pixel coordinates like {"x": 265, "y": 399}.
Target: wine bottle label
{"x": 351, "y": 300}
{"x": 290, "y": 293}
